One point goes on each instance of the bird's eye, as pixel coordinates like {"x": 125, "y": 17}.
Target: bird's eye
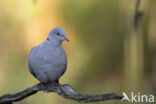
{"x": 58, "y": 33}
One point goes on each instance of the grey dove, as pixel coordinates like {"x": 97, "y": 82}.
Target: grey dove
{"x": 48, "y": 61}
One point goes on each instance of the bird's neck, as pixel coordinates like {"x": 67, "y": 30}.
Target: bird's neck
{"x": 53, "y": 42}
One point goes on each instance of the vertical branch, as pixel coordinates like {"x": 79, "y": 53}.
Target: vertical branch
{"x": 137, "y": 15}
{"x": 134, "y": 47}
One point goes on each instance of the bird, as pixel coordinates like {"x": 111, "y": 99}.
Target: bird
{"x": 47, "y": 61}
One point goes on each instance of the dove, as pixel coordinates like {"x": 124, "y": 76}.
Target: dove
{"x": 48, "y": 61}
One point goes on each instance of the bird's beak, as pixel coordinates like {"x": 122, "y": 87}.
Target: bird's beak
{"x": 65, "y": 38}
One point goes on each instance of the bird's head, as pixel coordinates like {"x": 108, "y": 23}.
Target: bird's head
{"x": 57, "y": 34}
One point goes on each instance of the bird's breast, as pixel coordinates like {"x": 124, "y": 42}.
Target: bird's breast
{"x": 55, "y": 56}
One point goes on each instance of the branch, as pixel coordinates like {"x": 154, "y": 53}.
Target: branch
{"x": 137, "y": 14}
{"x": 65, "y": 91}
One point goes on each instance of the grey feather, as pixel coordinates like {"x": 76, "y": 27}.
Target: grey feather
{"x": 48, "y": 61}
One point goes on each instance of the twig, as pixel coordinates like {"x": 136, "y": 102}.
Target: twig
{"x": 137, "y": 14}
{"x": 65, "y": 91}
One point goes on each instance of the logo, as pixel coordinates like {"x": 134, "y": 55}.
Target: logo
{"x": 138, "y": 97}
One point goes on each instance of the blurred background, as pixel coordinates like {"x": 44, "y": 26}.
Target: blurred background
{"x": 105, "y": 53}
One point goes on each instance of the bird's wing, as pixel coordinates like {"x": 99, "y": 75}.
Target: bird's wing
{"x": 34, "y": 60}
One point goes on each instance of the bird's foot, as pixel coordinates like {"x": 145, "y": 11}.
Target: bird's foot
{"x": 47, "y": 87}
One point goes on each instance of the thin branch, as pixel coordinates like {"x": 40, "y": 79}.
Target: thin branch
{"x": 137, "y": 14}
{"x": 65, "y": 91}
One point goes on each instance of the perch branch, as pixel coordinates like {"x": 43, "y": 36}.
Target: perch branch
{"x": 65, "y": 91}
